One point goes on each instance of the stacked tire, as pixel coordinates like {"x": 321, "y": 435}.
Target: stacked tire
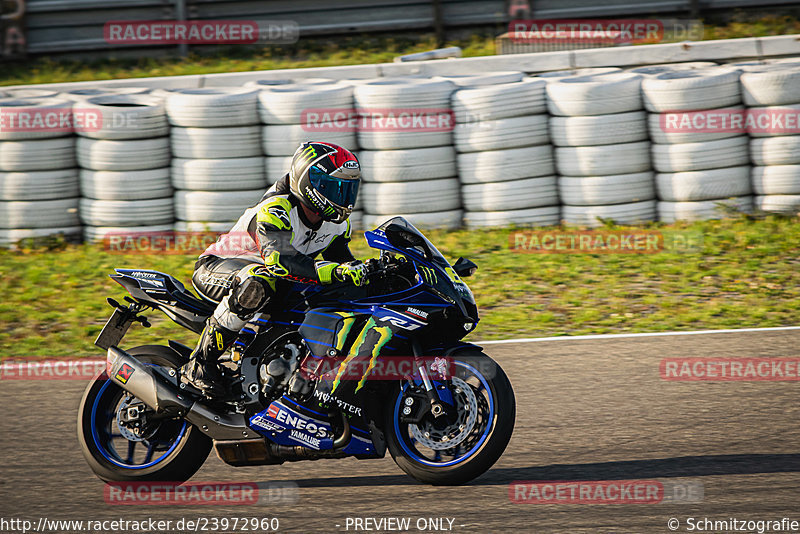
{"x": 409, "y": 168}
{"x": 124, "y": 160}
{"x": 39, "y": 192}
{"x": 31, "y": 93}
{"x": 505, "y": 161}
{"x": 260, "y": 84}
{"x": 294, "y": 113}
{"x": 217, "y": 166}
{"x": 602, "y": 149}
{"x": 772, "y": 92}
{"x": 276, "y": 167}
{"x": 316, "y": 109}
{"x": 591, "y": 71}
{"x": 80, "y": 95}
{"x": 654, "y": 70}
{"x": 700, "y": 171}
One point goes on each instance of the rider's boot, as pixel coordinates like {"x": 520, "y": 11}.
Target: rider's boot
{"x": 202, "y": 370}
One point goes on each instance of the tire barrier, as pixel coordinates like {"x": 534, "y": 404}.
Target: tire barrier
{"x": 212, "y": 107}
{"x": 39, "y": 191}
{"x": 217, "y": 160}
{"x": 702, "y": 210}
{"x": 773, "y": 90}
{"x": 124, "y": 160}
{"x": 409, "y": 170}
{"x": 377, "y": 101}
{"x": 293, "y": 113}
{"x": 80, "y": 95}
{"x": 125, "y": 116}
{"x": 699, "y": 170}
{"x": 602, "y": 148}
{"x": 581, "y": 146}
{"x": 214, "y": 206}
{"x": 505, "y": 161}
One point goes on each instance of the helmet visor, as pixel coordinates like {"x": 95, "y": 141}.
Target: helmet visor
{"x": 340, "y": 191}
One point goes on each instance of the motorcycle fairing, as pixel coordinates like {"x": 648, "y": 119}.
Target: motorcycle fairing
{"x": 284, "y": 425}
{"x": 287, "y": 423}
{"x": 326, "y": 330}
{"x": 167, "y": 294}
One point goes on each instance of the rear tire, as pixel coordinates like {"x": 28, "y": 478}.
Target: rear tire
{"x": 495, "y": 431}
{"x": 185, "y": 455}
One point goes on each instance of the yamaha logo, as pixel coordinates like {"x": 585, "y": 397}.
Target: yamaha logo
{"x": 416, "y": 311}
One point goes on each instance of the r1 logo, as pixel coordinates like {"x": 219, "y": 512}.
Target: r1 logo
{"x": 400, "y": 322}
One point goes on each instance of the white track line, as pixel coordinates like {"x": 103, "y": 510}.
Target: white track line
{"x": 16, "y": 363}
{"x": 644, "y": 334}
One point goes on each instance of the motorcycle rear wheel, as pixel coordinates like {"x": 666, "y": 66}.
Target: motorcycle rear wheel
{"x": 173, "y": 452}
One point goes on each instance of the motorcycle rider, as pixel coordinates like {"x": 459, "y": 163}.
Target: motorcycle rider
{"x": 302, "y": 216}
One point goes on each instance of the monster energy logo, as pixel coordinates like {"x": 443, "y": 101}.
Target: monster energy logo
{"x": 308, "y": 154}
{"x": 330, "y": 210}
{"x": 428, "y": 274}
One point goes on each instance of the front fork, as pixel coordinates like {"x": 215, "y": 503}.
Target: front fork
{"x": 437, "y": 391}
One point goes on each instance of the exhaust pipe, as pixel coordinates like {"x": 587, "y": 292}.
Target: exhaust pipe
{"x": 161, "y": 395}
{"x": 148, "y": 386}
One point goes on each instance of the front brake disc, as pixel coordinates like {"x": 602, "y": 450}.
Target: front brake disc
{"x": 466, "y": 405}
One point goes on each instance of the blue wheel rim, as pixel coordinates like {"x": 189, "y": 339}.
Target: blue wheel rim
{"x": 416, "y": 456}
{"x": 104, "y": 444}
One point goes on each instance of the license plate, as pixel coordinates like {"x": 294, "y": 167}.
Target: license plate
{"x": 115, "y": 329}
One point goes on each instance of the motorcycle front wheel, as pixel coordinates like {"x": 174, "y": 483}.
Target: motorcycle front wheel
{"x": 471, "y": 440}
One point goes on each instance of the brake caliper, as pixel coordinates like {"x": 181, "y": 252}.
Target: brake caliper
{"x": 414, "y": 406}
{"x": 131, "y": 420}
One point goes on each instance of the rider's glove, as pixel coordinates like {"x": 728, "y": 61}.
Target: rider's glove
{"x": 355, "y": 272}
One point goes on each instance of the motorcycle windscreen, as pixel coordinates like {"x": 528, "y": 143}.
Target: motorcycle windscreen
{"x": 445, "y": 281}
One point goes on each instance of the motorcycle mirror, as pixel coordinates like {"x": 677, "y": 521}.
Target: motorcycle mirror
{"x": 464, "y": 267}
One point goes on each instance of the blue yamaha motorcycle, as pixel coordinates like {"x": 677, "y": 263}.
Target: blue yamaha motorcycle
{"x": 445, "y": 418}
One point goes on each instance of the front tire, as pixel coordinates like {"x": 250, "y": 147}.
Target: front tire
{"x": 173, "y": 452}
{"x": 474, "y": 444}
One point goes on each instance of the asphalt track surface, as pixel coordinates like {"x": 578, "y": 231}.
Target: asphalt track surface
{"x": 586, "y": 410}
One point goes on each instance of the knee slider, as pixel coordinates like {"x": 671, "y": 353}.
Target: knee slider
{"x": 249, "y": 296}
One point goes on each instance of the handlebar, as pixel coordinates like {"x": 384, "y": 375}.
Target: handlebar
{"x": 380, "y": 267}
